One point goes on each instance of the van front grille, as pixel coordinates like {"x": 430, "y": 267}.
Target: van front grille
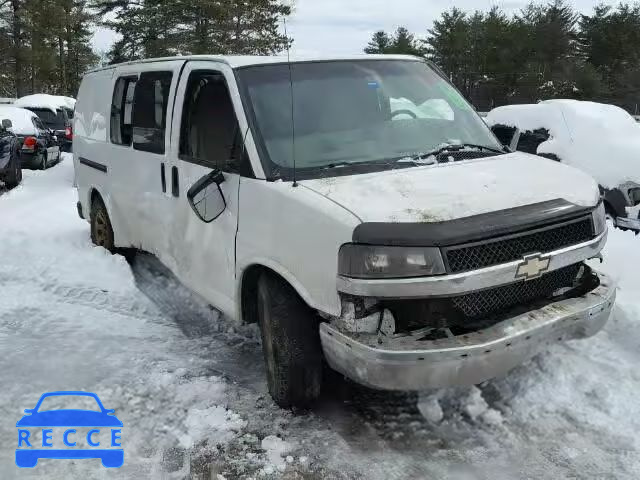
{"x": 499, "y": 299}
{"x": 507, "y": 249}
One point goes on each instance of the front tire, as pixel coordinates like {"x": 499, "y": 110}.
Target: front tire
{"x": 290, "y": 343}
{"x": 101, "y": 230}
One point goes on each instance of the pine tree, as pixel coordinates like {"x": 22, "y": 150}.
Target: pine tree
{"x": 152, "y": 28}
{"x": 379, "y": 43}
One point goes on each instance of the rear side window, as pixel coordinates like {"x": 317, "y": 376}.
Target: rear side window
{"x": 121, "y": 111}
{"x": 150, "y": 111}
{"x": 38, "y": 124}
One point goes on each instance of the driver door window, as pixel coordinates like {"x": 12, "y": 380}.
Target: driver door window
{"x": 210, "y": 135}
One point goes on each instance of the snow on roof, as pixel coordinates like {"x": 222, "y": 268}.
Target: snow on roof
{"x": 20, "y": 118}
{"x": 43, "y": 100}
{"x": 602, "y": 140}
{"x": 239, "y": 61}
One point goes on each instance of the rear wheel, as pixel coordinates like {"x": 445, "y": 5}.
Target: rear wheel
{"x": 101, "y": 231}
{"x": 43, "y": 162}
{"x": 290, "y": 342}
{"x": 14, "y": 176}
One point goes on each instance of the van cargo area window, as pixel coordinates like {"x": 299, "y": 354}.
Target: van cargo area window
{"x": 121, "y": 110}
{"x": 210, "y": 135}
{"x": 150, "y": 111}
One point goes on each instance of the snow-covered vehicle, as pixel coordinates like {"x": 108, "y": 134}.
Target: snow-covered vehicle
{"x": 38, "y": 146}
{"x": 10, "y": 167}
{"x": 356, "y": 208}
{"x": 602, "y": 140}
{"x": 56, "y": 112}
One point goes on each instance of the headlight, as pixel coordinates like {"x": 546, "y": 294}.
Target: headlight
{"x": 599, "y": 219}
{"x": 366, "y": 261}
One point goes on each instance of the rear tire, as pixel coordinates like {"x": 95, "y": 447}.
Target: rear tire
{"x": 14, "y": 177}
{"x": 290, "y": 343}
{"x": 101, "y": 230}
{"x": 43, "y": 162}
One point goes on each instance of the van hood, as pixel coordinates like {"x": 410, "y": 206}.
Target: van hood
{"x": 443, "y": 192}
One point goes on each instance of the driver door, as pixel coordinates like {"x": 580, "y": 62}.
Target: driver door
{"x": 206, "y": 179}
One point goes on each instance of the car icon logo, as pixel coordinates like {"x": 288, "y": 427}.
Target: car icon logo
{"x": 67, "y": 427}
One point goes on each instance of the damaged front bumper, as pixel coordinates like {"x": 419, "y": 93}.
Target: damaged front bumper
{"x": 409, "y": 363}
{"x": 629, "y": 223}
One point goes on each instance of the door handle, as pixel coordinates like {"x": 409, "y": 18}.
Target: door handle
{"x": 163, "y": 178}
{"x": 175, "y": 186}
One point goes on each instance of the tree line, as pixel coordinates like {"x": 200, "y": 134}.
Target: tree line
{"x": 544, "y": 51}
{"x": 45, "y": 45}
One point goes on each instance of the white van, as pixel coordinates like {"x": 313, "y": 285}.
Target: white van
{"x": 357, "y": 208}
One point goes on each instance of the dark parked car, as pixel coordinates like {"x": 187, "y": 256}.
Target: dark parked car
{"x": 55, "y": 112}
{"x": 59, "y": 122}
{"x": 38, "y": 146}
{"x": 10, "y": 167}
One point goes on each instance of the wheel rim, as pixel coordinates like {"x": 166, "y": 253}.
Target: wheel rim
{"x": 100, "y": 228}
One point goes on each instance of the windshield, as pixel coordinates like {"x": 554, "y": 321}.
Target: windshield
{"x": 55, "y": 121}
{"x": 354, "y": 113}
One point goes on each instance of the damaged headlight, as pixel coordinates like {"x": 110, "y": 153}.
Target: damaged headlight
{"x": 599, "y": 219}
{"x": 368, "y": 261}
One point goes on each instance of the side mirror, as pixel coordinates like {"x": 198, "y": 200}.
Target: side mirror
{"x": 6, "y": 124}
{"x": 206, "y": 198}
{"x": 28, "y": 410}
{"x": 110, "y": 411}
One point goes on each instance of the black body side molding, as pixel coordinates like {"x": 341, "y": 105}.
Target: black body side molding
{"x": 92, "y": 164}
{"x": 463, "y": 230}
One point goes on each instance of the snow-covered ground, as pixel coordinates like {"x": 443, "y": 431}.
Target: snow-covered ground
{"x": 190, "y": 391}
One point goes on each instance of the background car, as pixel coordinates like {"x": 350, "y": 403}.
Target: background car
{"x": 56, "y": 113}
{"x": 10, "y": 167}
{"x": 602, "y": 140}
{"x": 38, "y": 146}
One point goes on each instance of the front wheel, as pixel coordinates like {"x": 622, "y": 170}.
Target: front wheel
{"x": 101, "y": 231}
{"x": 290, "y": 342}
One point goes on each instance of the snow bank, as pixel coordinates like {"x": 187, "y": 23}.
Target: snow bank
{"x": 43, "y": 100}
{"x": 21, "y": 119}
{"x": 602, "y": 140}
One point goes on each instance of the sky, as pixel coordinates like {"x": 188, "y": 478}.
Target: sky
{"x": 345, "y": 26}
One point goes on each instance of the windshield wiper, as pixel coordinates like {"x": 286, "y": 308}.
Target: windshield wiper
{"x": 457, "y": 147}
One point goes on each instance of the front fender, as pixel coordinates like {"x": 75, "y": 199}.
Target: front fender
{"x": 281, "y": 270}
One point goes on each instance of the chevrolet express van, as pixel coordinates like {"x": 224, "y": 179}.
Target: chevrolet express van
{"x": 356, "y": 208}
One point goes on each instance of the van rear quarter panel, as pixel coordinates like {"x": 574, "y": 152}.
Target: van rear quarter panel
{"x": 297, "y": 233}
{"x": 90, "y": 126}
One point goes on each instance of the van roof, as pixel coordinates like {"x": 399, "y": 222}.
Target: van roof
{"x": 239, "y": 61}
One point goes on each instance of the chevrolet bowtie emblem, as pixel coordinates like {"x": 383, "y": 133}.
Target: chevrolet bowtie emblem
{"x": 532, "y": 266}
